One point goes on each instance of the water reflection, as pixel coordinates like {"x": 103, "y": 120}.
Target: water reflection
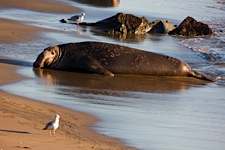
{"x": 100, "y": 3}
{"x": 128, "y": 38}
{"x": 118, "y": 83}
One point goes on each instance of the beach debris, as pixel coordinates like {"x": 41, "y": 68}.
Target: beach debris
{"x": 74, "y": 19}
{"x": 53, "y": 125}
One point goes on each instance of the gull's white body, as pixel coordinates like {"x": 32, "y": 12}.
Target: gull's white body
{"x": 77, "y": 18}
{"x": 53, "y": 125}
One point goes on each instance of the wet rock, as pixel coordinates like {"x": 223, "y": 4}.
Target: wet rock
{"x": 63, "y": 21}
{"x": 123, "y": 24}
{"x": 191, "y": 27}
{"x": 161, "y": 27}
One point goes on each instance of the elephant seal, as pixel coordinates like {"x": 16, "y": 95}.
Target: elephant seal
{"x": 109, "y": 59}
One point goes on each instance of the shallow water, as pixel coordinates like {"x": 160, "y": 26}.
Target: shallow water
{"x": 146, "y": 112}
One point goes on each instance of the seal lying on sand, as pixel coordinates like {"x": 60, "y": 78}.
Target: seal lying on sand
{"x": 109, "y": 59}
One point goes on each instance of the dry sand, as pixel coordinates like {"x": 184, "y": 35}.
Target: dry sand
{"x": 22, "y": 119}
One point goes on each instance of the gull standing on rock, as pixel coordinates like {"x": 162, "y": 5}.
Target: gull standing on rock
{"x": 52, "y": 125}
{"x": 77, "y": 18}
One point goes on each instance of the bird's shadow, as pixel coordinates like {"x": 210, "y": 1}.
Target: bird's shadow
{"x": 14, "y": 131}
{"x": 16, "y": 62}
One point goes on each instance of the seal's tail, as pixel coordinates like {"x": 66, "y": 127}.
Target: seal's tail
{"x": 198, "y": 75}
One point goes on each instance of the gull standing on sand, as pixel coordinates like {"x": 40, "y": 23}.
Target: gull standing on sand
{"x": 52, "y": 125}
{"x": 77, "y": 18}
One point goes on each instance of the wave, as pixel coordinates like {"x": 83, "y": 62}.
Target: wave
{"x": 211, "y": 48}
{"x": 220, "y": 1}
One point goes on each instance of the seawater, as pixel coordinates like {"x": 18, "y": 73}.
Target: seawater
{"x": 145, "y": 112}
{"x": 148, "y": 113}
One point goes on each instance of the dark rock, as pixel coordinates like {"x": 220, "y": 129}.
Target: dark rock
{"x": 63, "y": 21}
{"x": 161, "y": 27}
{"x": 123, "y": 24}
{"x": 191, "y": 27}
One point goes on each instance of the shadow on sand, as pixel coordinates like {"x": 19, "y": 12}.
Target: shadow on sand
{"x": 13, "y": 131}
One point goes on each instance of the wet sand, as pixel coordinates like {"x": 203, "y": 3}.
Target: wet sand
{"x": 12, "y": 32}
{"x": 51, "y": 6}
{"x": 22, "y": 119}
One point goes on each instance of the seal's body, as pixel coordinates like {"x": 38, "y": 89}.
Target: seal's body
{"x": 110, "y": 59}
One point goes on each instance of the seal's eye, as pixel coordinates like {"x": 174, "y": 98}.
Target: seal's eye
{"x": 52, "y": 53}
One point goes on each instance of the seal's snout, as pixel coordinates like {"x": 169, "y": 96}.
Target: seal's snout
{"x": 39, "y": 61}
{"x": 36, "y": 65}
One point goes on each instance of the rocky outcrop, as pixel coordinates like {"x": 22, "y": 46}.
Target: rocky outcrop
{"x": 161, "y": 27}
{"x": 124, "y": 24}
{"x": 191, "y": 27}
{"x": 128, "y": 24}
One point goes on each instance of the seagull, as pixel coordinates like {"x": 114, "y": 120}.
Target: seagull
{"x": 52, "y": 125}
{"x": 77, "y": 18}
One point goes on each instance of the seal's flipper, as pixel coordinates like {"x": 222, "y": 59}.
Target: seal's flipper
{"x": 92, "y": 65}
{"x": 198, "y": 75}
{"x": 100, "y": 70}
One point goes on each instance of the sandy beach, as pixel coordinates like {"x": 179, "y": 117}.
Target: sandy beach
{"x": 100, "y": 113}
{"x": 22, "y": 119}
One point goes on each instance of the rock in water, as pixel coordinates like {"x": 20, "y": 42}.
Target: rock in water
{"x": 123, "y": 24}
{"x": 191, "y": 27}
{"x": 161, "y": 27}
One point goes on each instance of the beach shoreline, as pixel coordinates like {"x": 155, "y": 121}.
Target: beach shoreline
{"x": 22, "y": 119}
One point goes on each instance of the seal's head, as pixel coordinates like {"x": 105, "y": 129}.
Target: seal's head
{"x": 47, "y": 57}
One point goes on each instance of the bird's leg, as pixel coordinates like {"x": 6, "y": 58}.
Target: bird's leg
{"x": 54, "y": 132}
{"x": 50, "y": 133}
